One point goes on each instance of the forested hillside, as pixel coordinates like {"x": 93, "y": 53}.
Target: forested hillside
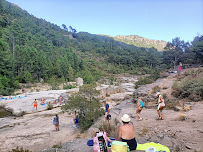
{"x": 32, "y": 49}
{"x": 141, "y": 41}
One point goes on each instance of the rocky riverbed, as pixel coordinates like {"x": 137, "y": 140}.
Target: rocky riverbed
{"x": 180, "y": 134}
{"x": 35, "y": 131}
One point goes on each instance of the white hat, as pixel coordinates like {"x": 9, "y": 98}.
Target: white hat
{"x": 158, "y": 93}
{"x": 125, "y": 118}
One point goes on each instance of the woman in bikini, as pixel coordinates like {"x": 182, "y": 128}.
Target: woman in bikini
{"x": 161, "y": 106}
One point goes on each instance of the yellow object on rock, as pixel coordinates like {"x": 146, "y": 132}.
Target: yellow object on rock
{"x": 158, "y": 147}
{"x": 118, "y": 146}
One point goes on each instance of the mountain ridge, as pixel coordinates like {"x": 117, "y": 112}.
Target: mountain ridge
{"x": 140, "y": 41}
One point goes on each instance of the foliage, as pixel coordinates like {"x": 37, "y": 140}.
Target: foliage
{"x": 155, "y": 89}
{"x": 32, "y": 48}
{"x": 190, "y": 86}
{"x": 111, "y": 129}
{"x": 87, "y": 104}
{"x": 49, "y": 107}
{"x": 19, "y": 150}
{"x": 68, "y": 86}
{"x": 147, "y": 79}
{"x": 4, "y": 112}
{"x": 53, "y": 81}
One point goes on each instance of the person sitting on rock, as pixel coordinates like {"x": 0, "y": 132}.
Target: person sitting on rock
{"x": 126, "y": 133}
{"x": 42, "y": 101}
{"x": 161, "y": 106}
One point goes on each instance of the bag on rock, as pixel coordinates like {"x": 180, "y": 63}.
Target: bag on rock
{"x": 118, "y": 146}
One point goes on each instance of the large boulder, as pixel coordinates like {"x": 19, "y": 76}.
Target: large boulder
{"x": 79, "y": 81}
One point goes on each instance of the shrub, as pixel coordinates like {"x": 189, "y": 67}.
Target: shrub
{"x": 49, "y": 107}
{"x": 19, "y": 150}
{"x": 188, "y": 87}
{"x": 53, "y": 81}
{"x": 87, "y": 104}
{"x": 68, "y": 86}
{"x": 143, "y": 81}
{"x": 147, "y": 80}
{"x": 57, "y": 146}
{"x": 16, "y": 84}
{"x": 155, "y": 89}
{"x": 4, "y": 112}
{"x": 182, "y": 117}
{"x": 111, "y": 129}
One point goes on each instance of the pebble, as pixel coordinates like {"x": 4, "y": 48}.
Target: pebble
{"x": 188, "y": 147}
{"x": 12, "y": 125}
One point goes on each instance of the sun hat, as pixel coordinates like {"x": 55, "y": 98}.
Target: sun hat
{"x": 158, "y": 93}
{"x": 125, "y": 118}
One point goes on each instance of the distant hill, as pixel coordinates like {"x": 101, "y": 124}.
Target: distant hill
{"x": 141, "y": 41}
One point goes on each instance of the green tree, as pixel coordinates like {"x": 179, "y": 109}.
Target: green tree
{"x": 70, "y": 74}
{"x": 87, "y": 105}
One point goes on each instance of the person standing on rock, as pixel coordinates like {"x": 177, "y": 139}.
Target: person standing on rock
{"x": 56, "y": 122}
{"x": 140, "y": 105}
{"x": 161, "y": 106}
{"x": 35, "y": 105}
{"x": 106, "y": 111}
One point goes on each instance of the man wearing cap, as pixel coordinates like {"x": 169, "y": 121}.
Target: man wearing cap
{"x": 161, "y": 106}
{"x": 126, "y": 133}
{"x": 106, "y": 111}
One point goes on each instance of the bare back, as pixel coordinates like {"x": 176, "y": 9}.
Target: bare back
{"x": 35, "y": 102}
{"x": 127, "y": 131}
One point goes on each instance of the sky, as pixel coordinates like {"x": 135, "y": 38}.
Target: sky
{"x": 153, "y": 19}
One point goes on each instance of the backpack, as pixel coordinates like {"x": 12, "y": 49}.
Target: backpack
{"x": 118, "y": 146}
{"x": 100, "y": 142}
{"x": 141, "y": 104}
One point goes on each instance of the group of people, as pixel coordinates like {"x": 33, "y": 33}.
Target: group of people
{"x": 126, "y": 132}
{"x": 42, "y": 102}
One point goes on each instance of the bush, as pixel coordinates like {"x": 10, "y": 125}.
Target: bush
{"x": 49, "y": 107}
{"x": 143, "y": 81}
{"x": 110, "y": 129}
{"x": 53, "y": 81}
{"x": 148, "y": 79}
{"x": 87, "y": 104}
{"x": 19, "y": 150}
{"x": 4, "y": 112}
{"x": 68, "y": 86}
{"x": 155, "y": 89}
{"x": 192, "y": 88}
{"x": 16, "y": 84}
